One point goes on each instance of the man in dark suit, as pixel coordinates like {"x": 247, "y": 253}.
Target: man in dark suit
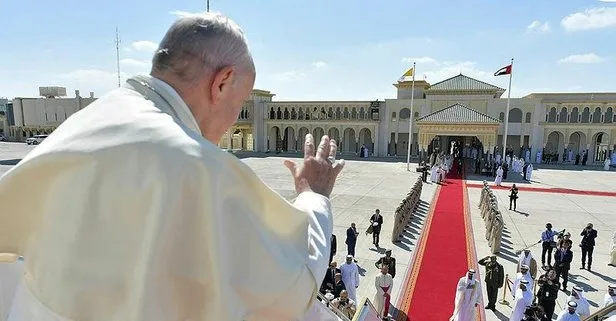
{"x": 351, "y": 239}
{"x": 562, "y": 262}
{"x": 329, "y": 281}
{"x": 332, "y": 252}
{"x": 588, "y": 245}
{"x": 377, "y": 221}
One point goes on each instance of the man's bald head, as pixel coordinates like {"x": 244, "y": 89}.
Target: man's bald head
{"x": 206, "y": 59}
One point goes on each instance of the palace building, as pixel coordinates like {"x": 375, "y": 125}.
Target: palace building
{"x": 460, "y": 108}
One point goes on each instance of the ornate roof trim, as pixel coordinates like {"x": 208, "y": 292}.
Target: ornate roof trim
{"x": 458, "y": 113}
{"x": 464, "y": 83}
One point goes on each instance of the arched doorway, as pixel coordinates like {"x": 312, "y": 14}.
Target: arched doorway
{"x": 334, "y": 134}
{"x": 554, "y": 142}
{"x": 301, "y": 138}
{"x": 600, "y": 147}
{"x": 577, "y": 143}
{"x": 318, "y": 132}
{"x": 289, "y": 139}
{"x": 273, "y": 139}
{"x": 349, "y": 142}
{"x": 365, "y": 139}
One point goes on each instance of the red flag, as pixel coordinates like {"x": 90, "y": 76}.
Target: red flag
{"x": 503, "y": 71}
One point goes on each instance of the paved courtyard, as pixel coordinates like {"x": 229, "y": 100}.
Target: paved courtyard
{"x": 364, "y": 186}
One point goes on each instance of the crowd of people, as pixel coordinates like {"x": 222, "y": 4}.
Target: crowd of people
{"x": 538, "y": 301}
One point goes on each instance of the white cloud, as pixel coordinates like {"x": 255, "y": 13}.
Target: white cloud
{"x": 288, "y": 76}
{"x": 595, "y": 18}
{"x": 183, "y": 14}
{"x": 134, "y": 63}
{"x": 589, "y": 58}
{"x": 607, "y": 0}
{"x": 319, "y": 64}
{"x": 450, "y": 69}
{"x": 420, "y": 60}
{"x": 539, "y": 27}
{"x": 144, "y": 45}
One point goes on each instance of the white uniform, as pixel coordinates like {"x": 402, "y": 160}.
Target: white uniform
{"x": 467, "y": 296}
{"x": 135, "y": 216}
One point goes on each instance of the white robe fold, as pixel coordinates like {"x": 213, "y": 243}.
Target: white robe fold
{"x": 126, "y": 212}
{"x": 519, "y": 277}
{"x": 606, "y": 164}
{"x": 529, "y": 172}
{"x": 609, "y": 300}
{"x": 468, "y": 293}
{"x": 10, "y": 278}
{"x": 583, "y": 307}
{"x": 350, "y": 277}
{"x": 499, "y": 176}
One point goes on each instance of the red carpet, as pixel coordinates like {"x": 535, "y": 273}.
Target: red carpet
{"x": 443, "y": 255}
{"x": 547, "y": 190}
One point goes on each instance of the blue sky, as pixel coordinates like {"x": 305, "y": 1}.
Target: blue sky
{"x": 322, "y": 49}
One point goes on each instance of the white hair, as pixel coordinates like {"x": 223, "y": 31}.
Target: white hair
{"x": 199, "y": 45}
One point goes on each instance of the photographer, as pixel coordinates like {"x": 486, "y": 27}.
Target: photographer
{"x": 533, "y": 313}
{"x": 548, "y": 293}
{"x": 588, "y": 245}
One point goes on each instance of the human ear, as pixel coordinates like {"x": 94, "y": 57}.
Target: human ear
{"x": 222, "y": 83}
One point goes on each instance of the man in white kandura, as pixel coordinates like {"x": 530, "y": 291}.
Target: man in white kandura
{"x": 523, "y": 299}
{"x": 568, "y": 314}
{"x": 610, "y": 298}
{"x": 499, "y": 176}
{"x": 524, "y": 274}
{"x": 526, "y": 259}
{"x": 606, "y": 164}
{"x": 529, "y": 172}
{"x": 350, "y": 277}
{"x": 130, "y": 211}
{"x": 583, "y": 307}
{"x": 383, "y": 283}
{"x": 468, "y": 293}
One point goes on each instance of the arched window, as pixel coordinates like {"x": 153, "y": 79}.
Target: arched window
{"x": 405, "y": 113}
{"x": 393, "y": 116}
{"x": 586, "y": 115}
{"x": 515, "y": 115}
{"x": 346, "y": 114}
{"x": 416, "y": 115}
{"x": 300, "y": 114}
{"x": 362, "y": 113}
{"x": 596, "y": 116}
{"x": 562, "y": 117}
{"x": 609, "y": 115}
{"x": 286, "y": 114}
{"x": 501, "y": 117}
{"x": 330, "y": 113}
{"x": 529, "y": 117}
{"x": 575, "y": 114}
{"x": 279, "y": 114}
{"x": 552, "y": 115}
{"x": 272, "y": 114}
{"x": 338, "y": 113}
{"x": 353, "y": 113}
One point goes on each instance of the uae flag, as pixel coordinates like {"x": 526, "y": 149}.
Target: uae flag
{"x": 503, "y": 71}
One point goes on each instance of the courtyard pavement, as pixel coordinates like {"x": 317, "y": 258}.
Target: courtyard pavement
{"x": 364, "y": 186}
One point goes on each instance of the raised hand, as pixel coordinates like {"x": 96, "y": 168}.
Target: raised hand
{"x": 320, "y": 169}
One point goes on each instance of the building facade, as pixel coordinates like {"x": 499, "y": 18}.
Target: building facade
{"x": 27, "y": 117}
{"x": 460, "y": 108}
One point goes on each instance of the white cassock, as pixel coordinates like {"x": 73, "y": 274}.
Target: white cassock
{"x": 382, "y": 281}
{"x": 564, "y": 315}
{"x": 529, "y": 171}
{"x": 350, "y": 277}
{"x": 135, "y": 216}
{"x": 570, "y": 155}
{"x": 539, "y": 157}
{"x": 11, "y": 271}
{"x": 583, "y": 307}
{"x": 467, "y": 296}
{"x": 499, "y": 176}
{"x": 527, "y": 156}
{"x": 522, "y": 300}
{"x": 518, "y": 277}
{"x": 613, "y": 250}
{"x": 442, "y": 173}
{"x": 609, "y": 300}
{"x": 606, "y": 164}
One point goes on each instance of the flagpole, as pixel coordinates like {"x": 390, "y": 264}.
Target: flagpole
{"x": 507, "y": 113}
{"x": 410, "y": 142}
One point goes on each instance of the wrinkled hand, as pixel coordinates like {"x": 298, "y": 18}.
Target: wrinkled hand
{"x": 317, "y": 174}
